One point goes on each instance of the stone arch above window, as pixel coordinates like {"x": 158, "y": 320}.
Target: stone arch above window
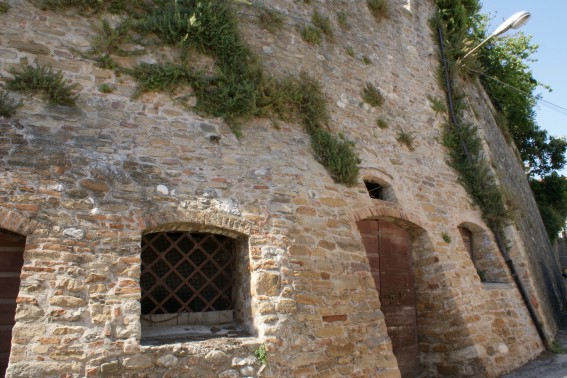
{"x": 17, "y": 223}
{"x": 195, "y": 283}
{"x": 183, "y": 219}
{"x": 488, "y": 261}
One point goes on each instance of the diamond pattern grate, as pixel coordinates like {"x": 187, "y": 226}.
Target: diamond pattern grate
{"x": 186, "y": 272}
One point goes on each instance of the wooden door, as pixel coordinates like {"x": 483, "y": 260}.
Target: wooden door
{"x": 388, "y": 248}
{"x": 11, "y": 261}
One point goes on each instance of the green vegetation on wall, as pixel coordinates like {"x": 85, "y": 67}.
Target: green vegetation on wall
{"x": 551, "y": 196}
{"x": 461, "y": 138}
{"x": 320, "y": 26}
{"x": 507, "y": 79}
{"x": 237, "y": 89}
{"x": 505, "y": 60}
{"x": 4, "y": 7}
{"x": 406, "y": 139}
{"x": 504, "y": 72}
{"x": 371, "y": 95}
{"x": 377, "y": 7}
{"x": 32, "y": 79}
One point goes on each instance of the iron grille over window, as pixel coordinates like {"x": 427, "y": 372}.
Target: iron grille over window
{"x": 186, "y": 272}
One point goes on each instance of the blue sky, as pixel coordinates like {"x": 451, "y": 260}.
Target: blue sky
{"x": 548, "y": 28}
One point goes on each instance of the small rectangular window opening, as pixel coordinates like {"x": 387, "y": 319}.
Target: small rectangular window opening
{"x": 374, "y": 189}
{"x": 187, "y": 283}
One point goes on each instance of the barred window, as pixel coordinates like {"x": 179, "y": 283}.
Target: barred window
{"x": 185, "y": 272}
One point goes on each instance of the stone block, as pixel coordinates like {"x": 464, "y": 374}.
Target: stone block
{"x": 266, "y": 283}
{"x": 286, "y": 306}
{"x": 307, "y": 299}
{"x": 230, "y": 373}
{"x": 66, "y": 301}
{"x": 69, "y": 330}
{"x": 333, "y": 202}
{"x": 167, "y": 361}
{"x": 110, "y": 368}
{"x": 94, "y": 185}
{"x": 334, "y": 318}
{"x": 330, "y": 332}
{"x": 28, "y": 46}
{"x": 248, "y": 371}
{"x": 137, "y": 362}
{"x": 28, "y": 331}
{"x": 348, "y": 282}
{"x": 337, "y": 350}
{"x": 217, "y": 357}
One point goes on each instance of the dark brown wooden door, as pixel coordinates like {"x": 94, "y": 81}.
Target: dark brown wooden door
{"x": 389, "y": 253}
{"x": 11, "y": 261}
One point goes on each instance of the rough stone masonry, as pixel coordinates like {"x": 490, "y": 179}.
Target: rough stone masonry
{"x": 84, "y": 185}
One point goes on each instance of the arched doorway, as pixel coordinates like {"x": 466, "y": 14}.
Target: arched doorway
{"x": 11, "y": 261}
{"x": 388, "y": 248}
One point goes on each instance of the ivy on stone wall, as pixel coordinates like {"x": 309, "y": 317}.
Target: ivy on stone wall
{"x": 237, "y": 89}
{"x": 461, "y": 138}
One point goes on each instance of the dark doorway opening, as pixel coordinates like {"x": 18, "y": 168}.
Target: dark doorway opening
{"x": 11, "y": 260}
{"x": 388, "y": 248}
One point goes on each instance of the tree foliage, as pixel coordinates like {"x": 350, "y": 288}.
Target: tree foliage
{"x": 503, "y": 64}
{"x": 506, "y": 60}
{"x": 509, "y": 82}
{"x": 551, "y": 195}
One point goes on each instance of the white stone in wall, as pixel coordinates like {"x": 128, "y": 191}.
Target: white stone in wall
{"x": 57, "y": 187}
{"x": 239, "y": 361}
{"x": 247, "y": 371}
{"x": 162, "y": 189}
{"x": 228, "y": 205}
{"x": 216, "y": 357}
{"x": 74, "y": 233}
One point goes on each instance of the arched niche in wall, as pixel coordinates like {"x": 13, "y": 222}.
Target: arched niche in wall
{"x": 484, "y": 253}
{"x": 397, "y": 247}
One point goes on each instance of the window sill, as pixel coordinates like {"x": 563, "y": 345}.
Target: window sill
{"x": 190, "y": 333}
{"x": 497, "y": 285}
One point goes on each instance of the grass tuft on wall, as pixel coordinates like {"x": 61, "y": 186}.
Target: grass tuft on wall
{"x": 33, "y": 79}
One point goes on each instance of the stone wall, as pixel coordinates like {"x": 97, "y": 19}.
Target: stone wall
{"x": 535, "y": 259}
{"x": 84, "y": 184}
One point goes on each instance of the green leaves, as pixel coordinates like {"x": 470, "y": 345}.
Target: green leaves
{"x": 506, "y": 60}
{"x": 550, "y": 193}
{"x": 238, "y": 89}
{"x": 43, "y": 79}
{"x": 337, "y": 155}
